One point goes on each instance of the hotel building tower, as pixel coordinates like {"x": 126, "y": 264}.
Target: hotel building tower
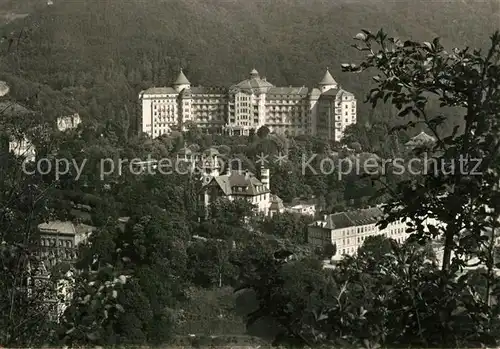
{"x": 324, "y": 111}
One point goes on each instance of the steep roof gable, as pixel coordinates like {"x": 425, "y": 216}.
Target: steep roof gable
{"x": 328, "y": 79}
{"x": 353, "y": 218}
{"x": 181, "y": 79}
{"x": 247, "y": 181}
{"x": 421, "y": 138}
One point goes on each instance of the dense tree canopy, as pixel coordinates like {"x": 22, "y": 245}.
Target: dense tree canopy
{"x": 171, "y": 269}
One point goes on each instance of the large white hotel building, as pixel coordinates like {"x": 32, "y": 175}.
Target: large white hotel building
{"x": 324, "y": 111}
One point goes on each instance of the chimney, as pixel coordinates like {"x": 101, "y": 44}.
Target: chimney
{"x": 247, "y": 175}
{"x": 228, "y": 170}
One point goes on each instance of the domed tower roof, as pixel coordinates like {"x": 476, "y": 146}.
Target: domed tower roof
{"x": 181, "y": 79}
{"x": 254, "y": 84}
{"x": 254, "y": 74}
{"x": 328, "y": 79}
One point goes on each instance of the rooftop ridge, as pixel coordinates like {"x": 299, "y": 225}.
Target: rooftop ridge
{"x": 346, "y": 219}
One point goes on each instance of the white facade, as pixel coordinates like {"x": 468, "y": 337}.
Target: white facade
{"x": 232, "y": 184}
{"x": 325, "y": 110}
{"x": 59, "y": 241}
{"x": 349, "y": 230}
{"x": 69, "y": 122}
{"x": 24, "y": 148}
{"x": 304, "y": 209}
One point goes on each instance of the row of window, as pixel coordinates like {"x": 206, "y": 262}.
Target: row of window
{"x": 160, "y": 132}
{"x": 371, "y": 228}
{"x": 353, "y": 250}
{"x": 209, "y": 107}
{"x": 360, "y": 230}
{"x": 200, "y": 101}
{"x": 168, "y": 106}
{"x": 212, "y": 117}
{"x": 259, "y": 198}
{"x": 240, "y": 116}
{"x": 164, "y": 114}
{"x": 244, "y": 109}
{"x": 52, "y": 242}
{"x": 289, "y": 129}
{"x": 54, "y": 257}
{"x": 170, "y": 100}
{"x": 361, "y": 239}
{"x": 247, "y": 99}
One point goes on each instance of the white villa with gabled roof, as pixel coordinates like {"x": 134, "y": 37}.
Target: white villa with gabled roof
{"x": 419, "y": 140}
{"x": 236, "y": 184}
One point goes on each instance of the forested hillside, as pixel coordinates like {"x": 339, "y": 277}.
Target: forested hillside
{"x": 168, "y": 274}
{"x": 94, "y": 56}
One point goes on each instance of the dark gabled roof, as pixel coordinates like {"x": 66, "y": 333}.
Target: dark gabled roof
{"x": 353, "y": 218}
{"x": 337, "y": 93}
{"x": 229, "y": 184}
{"x": 198, "y": 90}
{"x": 421, "y": 138}
{"x": 331, "y": 93}
{"x": 338, "y": 220}
{"x": 366, "y": 216}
